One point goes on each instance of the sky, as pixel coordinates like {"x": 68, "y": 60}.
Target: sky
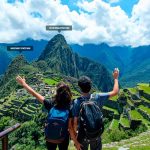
{"x": 115, "y": 22}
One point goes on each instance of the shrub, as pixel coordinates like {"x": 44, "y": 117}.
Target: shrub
{"x": 117, "y": 135}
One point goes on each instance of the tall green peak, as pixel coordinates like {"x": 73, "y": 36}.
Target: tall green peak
{"x": 59, "y": 37}
{"x": 56, "y": 44}
{"x": 60, "y": 58}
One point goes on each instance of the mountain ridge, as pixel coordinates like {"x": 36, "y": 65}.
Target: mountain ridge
{"x": 57, "y": 57}
{"x": 131, "y": 61}
{"x": 60, "y": 58}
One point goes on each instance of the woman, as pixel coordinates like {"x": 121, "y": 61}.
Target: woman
{"x": 61, "y": 100}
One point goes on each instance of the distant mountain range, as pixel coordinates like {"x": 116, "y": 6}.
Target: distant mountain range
{"x": 134, "y": 63}
{"x": 7, "y": 56}
{"x": 5, "y": 59}
{"x": 57, "y": 57}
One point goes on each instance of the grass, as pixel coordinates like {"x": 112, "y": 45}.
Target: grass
{"x": 130, "y": 103}
{"x": 57, "y": 79}
{"x": 114, "y": 124}
{"x": 140, "y": 148}
{"x": 146, "y": 109}
{"x": 17, "y": 101}
{"x": 50, "y": 81}
{"x": 124, "y": 121}
{"x": 14, "y": 109}
{"x": 31, "y": 107}
{"x": 114, "y": 98}
{"x": 140, "y": 142}
{"x": 25, "y": 113}
{"x": 135, "y": 115}
{"x": 132, "y": 90}
{"x": 28, "y": 110}
{"x": 146, "y": 100}
{"x": 130, "y": 148}
{"x": 145, "y": 87}
{"x": 111, "y": 109}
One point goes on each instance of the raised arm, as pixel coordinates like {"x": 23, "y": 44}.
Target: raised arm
{"x": 116, "y": 85}
{"x": 22, "y": 82}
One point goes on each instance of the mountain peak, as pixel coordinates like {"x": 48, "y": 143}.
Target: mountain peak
{"x": 16, "y": 64}
{"x": 57, "y": 44}
{"x": 60, "y": 59}
{"x": 59, "y": 37}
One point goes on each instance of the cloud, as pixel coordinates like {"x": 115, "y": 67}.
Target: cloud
{"x": 141, "y": 18}
{"x": 95, "y": 22}
{"x": 113, "y": 1}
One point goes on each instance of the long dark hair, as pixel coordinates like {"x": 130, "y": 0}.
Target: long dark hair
{"x": 63, "y": 95}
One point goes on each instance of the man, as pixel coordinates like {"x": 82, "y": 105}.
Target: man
{"x": 85, "y": 85}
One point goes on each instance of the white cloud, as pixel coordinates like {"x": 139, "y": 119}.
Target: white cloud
{"x": 113, "y": 1}
{"x": 97, "y": 22}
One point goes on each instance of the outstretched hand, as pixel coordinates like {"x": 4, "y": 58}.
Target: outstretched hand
{"x": 20, "y": 80}
{"x": 116, "y": 73}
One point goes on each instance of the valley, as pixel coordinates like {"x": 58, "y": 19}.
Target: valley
{"x": 129, "y": 112}
{"x": 126, "y": 116}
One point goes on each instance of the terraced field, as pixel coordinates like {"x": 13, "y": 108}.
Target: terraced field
{"x": 134, "y": 111}
{"x": 128, "y": 110}
{"x": 22, "y": 109}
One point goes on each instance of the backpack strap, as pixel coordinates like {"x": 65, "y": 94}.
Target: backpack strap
{"x": 92, "y": 98}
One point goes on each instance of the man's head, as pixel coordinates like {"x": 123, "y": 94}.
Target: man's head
{"x": 85, "y": 84}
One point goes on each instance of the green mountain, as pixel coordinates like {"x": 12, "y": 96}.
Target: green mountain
{"x": 102, "y": 53}
{"x": 57, "y": 57}
{"x": 138, "y": 69}
{"x": 134, "y": 63}
{"x": 8, "y": 82}
{"x": 60, "y": 58}
{"x": 5, "y": 59}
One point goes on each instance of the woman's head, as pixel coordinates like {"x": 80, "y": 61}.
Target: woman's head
{"x": 63, "y": 95}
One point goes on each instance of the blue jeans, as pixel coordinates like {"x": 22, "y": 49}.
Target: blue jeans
{"x": 94, "y": 145}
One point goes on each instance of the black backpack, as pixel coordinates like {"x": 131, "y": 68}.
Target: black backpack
{"x": 90, "y": 119}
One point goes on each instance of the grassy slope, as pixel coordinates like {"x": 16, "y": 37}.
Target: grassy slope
{"x": 140, "y": 142}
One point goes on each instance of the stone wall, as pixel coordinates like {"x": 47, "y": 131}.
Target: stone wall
{"x": 146, "y": 104}
{"x": 135, "y": 123}
{"x": 144, "y": 114}
{"x": 146, "y": 95}
{"x": 124, "y": 127}
{"x": 111, "y": 104}
{"x": 108, "y": 113}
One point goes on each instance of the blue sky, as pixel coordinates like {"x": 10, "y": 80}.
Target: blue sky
{"x": 115, "y": 22}
{"x": 12, "y": 1}
{"x": 126, "y": 5}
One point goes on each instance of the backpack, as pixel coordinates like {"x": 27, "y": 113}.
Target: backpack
{"x": 56, "y": 128}
{"x": 90, "y": 119}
